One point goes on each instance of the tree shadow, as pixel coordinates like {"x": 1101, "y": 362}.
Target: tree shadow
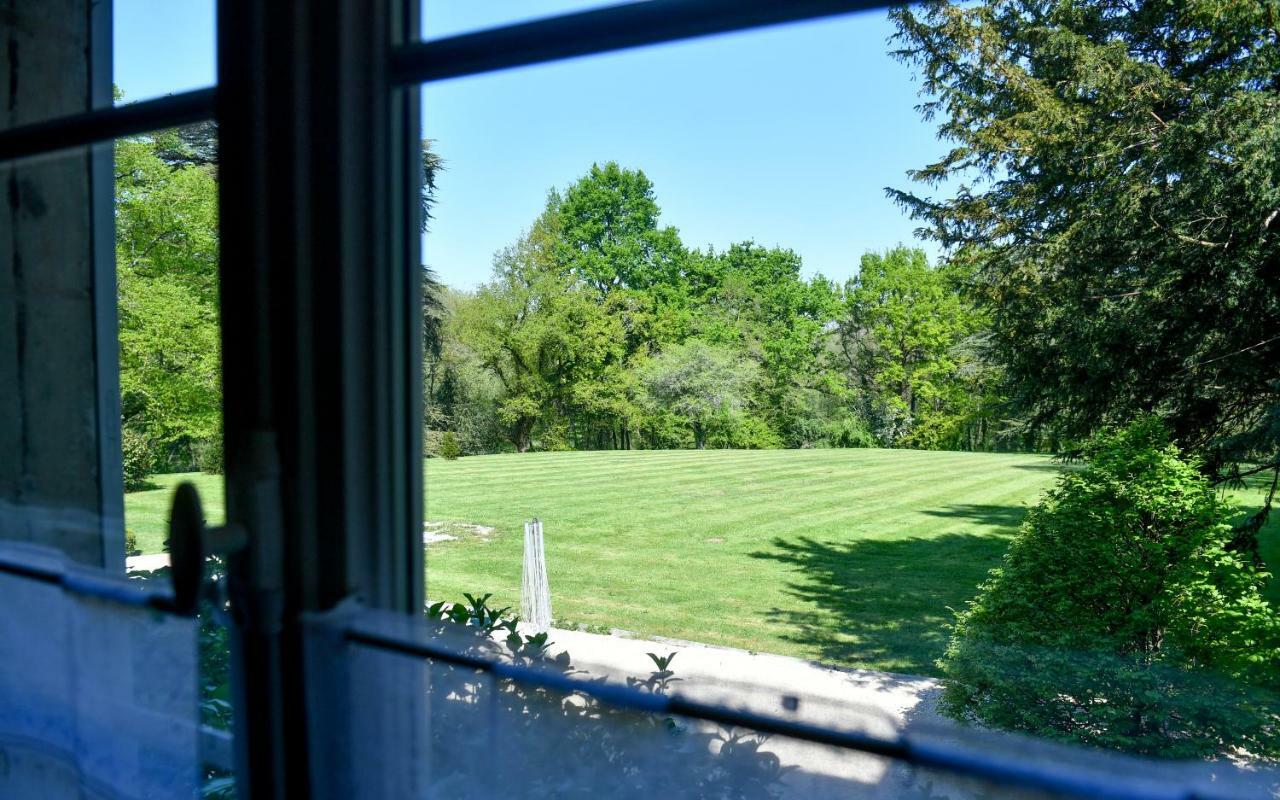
{"x": 887, "y": 604}
{"x": 1056, "y": 466}
{"x": 1009, "y": 517}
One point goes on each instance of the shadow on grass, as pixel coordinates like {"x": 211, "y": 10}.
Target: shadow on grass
{"x": 1009, "y": 517}
{"x": 1056, "y": 466}
{"x": 887, "y": 604}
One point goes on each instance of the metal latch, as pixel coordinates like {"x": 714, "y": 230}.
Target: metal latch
{"x": 191, "y": 542}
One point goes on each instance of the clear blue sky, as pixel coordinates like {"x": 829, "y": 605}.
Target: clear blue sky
{"x": 786, "y": 136}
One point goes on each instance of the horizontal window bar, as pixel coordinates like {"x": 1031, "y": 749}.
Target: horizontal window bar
{"x": 107, "y": 123}
{"x": 1068, "y": 780}
{"x": 601, "y": 31}
{"x": 78, "y": 581}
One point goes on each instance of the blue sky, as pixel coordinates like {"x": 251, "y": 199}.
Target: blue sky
{"x": 785, "y": 136}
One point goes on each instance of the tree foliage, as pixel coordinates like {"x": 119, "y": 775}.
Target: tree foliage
{"x": 603, "y": 330}
{"x": 1115, "y": 177}
{"x": 610, "y": 237}
{"x": 166, "y": 271}
{"x": 905, "y": 336}
{"x": 707, "y": 386}
{"x": 1120, "y": 619}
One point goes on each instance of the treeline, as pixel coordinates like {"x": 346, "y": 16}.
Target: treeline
{"x": 600, "y": 329}
{"x": 166, "y": 212}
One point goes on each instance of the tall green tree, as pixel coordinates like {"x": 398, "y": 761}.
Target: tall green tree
{"x": 610, "y": 235}
{"x": 900, "y": 339}
{"x": 757, "y": 300}
{"x": 541, "y": 335}
{"x": 167, "y": 279}
{"x": 1117, "y": 174}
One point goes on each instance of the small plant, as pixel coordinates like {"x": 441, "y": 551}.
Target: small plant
{"x": 131, "y": 543}
{"x": 660, "y": 680}
{"x": 449, "y": 449}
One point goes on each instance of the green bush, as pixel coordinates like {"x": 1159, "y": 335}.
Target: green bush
{"x": 208, "y": 455}
{"x": 138, "y": 458}
{"x": 1119, "y": 619}
{"x": 848, "y": 431}
{"x": 131, "y": 543}
{"x": 449, "y": 448}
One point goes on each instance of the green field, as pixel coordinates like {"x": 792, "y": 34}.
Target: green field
{"x": 146, "y": 513}
{"x": 847, "y": 556}
{"x": 851, "y": 557}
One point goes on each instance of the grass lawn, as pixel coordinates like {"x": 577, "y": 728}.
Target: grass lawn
{"x": 847, "y": 556}
{"x": 851, "y": 557}
{"x": 146, "y": 513}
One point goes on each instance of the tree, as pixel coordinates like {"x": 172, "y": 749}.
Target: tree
{"x": 755, "y": 299}
{"x": 449, "y": 449}
{"x": 705, "y": 385}
{"x": 432, "y": 290}
{"x": 167, "y": 279}
{"x": 515, "y": 327}
{"x": 1120, "y": 619}
{"x": 1121, "y": 205}
{"x": 899, "y": 336}
{"x": 610, "y": 236}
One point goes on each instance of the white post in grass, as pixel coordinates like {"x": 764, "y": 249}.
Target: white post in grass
{"x": 535, "y": 592}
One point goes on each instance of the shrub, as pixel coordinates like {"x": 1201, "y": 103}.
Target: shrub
{"x": 743, "y": 431}
{"x": 138, "y": 458}
{"x": 1119, "y": 619}
{"x": 848, "y": 431}
{"x": 131, "y": 543}
{"x": 208, "y": 455}
{"x": 449, "y": 448}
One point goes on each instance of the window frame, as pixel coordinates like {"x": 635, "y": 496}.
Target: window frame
{"x": 318, "y": 107}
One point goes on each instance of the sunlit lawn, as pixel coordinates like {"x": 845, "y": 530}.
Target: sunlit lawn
{"x": 853, "y": 557}
{"x": 146, "y": 513}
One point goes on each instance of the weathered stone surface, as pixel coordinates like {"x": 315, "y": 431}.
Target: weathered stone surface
{"x": 59, "y": 475}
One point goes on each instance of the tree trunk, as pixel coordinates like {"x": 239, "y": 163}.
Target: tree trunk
{"x": 520, "y": 435}
{"x": 699, "y": 436}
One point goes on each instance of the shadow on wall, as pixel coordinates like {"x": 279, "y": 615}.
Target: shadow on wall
{"x": 887, "y": 604}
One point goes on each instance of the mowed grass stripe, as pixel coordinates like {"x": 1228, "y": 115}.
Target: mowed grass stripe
{"x": 552, "y": 470}
{"x": 626, "y": 484}
{"x": 852, "y": 557}
{"x": 764, "y": 509}
{"x": 731, "y": 547}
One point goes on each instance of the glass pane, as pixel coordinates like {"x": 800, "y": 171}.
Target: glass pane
{"x": 730, "y": 252}
{"x": 96, "y": 698}
{"x": 110, "y": 347}
{"x": 442, "y": 18}
{"x": 162, "y": 48}
{"x": 166, "y": 248}
{"x": 563, "y": 724}
{"x": 729, "y": 353}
